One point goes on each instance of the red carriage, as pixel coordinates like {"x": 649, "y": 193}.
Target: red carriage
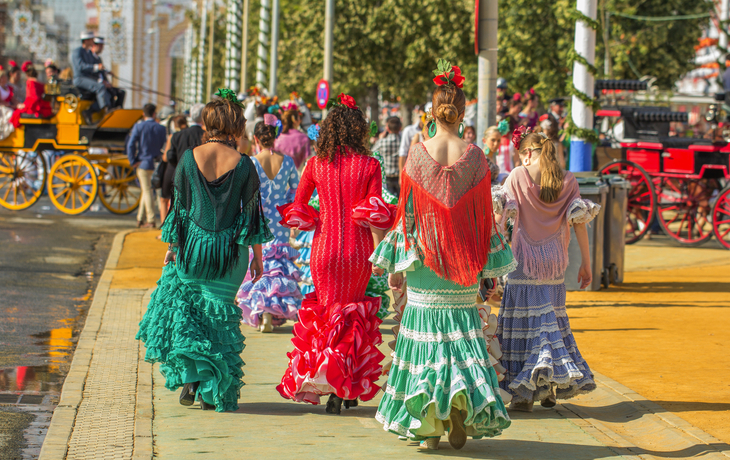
{"x": 678, "y": 181}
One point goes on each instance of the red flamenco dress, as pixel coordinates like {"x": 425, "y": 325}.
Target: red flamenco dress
{"x": 34, "y": 103}
{"x": 336, "y": 338}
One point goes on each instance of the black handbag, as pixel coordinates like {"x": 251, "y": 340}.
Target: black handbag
{"x": 158, "y": 174}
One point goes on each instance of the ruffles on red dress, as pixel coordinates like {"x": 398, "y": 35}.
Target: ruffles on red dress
{"x": 335, "y": 351}
{"x": 301, "y": 216}
{"x": 374, "y": 211}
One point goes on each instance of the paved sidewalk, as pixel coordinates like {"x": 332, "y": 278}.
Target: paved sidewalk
{"x": 115, "y": 406}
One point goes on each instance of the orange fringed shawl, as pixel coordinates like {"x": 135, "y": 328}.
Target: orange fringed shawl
{"x": 452, "y": 206}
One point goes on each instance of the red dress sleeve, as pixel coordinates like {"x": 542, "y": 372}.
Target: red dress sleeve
{"x": 372, "y": 210}
{"x": 300, "y": 214}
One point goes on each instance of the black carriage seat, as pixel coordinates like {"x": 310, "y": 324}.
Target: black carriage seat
{"x": 82, "y": 94}
{"x": 683, "y": 142}
{"x": 33, "y": 117}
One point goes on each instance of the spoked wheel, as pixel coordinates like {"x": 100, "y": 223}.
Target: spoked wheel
{"x": 119, "y": 190}
{"x": 642, "y": 198}
{"x": 684, "y": 209}
{"x": 72, "y": 185}
{"x": 21, "y": 179}
{"x": 721, "y": 218}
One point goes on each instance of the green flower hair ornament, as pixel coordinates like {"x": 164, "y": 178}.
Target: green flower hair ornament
{"x": 373, "y": 129}
{"x": 503, "y": 127}
{"x": 227, "y": 94}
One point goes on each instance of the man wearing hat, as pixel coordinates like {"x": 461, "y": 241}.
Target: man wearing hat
{"x": 86, "y": 75}
{"x": 117, "y": 94}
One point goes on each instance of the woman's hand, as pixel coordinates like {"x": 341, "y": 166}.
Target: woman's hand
{"x": 395, "y": 281}
{"x": 293, "y": 233}
{"x": 584, "y": 275}
{"x": 377, "y": 271}
{"x": 170, "y": 257}
{"x": 257, "y": 269}
{"x": 492, "y": 291}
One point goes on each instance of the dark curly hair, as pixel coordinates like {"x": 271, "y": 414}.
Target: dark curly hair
{"x": 343, "y": 127}
{"x": 265, "y": 134}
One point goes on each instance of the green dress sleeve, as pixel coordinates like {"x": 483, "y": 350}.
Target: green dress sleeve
{"x": 501, "y": 261}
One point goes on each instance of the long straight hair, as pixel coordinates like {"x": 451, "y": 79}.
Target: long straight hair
{"x": 551, "y": 174}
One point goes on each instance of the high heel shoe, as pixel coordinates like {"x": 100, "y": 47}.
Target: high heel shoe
{"x": 204, "y": 405}
{"x": 334, "y": 405}
{"x": 187, "y": 395}
{"x": 431, "y": 443}
{"x": 350, "y": 403}
{"x": 457, "y": 433}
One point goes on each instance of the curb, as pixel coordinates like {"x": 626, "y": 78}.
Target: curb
{"x": 55, "y": 445}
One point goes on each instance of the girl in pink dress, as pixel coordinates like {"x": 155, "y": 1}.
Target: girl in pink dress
{"x": 292, "y": 142}
{"x": 34, "y": 103}
{"x": 335, "y": 341}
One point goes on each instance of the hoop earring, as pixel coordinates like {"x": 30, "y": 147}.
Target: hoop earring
{"x": 432, "y": 129}
{"x": 461, "y": 130}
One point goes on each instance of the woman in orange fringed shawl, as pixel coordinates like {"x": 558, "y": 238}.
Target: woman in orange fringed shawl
{"x": 445, "y": 239}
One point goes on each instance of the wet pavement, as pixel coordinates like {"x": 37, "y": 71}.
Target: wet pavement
{"x": 49, "y": 266}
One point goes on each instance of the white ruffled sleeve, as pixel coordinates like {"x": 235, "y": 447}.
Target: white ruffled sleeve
{"x": 582, "y": 211}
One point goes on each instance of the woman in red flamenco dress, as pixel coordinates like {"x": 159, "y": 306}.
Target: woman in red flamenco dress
{"x": 335, "y": 341}
{"x": 34, "y": 103}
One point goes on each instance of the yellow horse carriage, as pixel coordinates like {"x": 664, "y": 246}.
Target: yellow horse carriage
{"x": 91, "y": 159}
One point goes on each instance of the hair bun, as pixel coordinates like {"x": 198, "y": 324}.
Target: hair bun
{"x": 447, "y": 113}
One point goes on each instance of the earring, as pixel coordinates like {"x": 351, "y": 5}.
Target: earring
{"x": 432, "y": 129}
{"x": 461, "y": 130}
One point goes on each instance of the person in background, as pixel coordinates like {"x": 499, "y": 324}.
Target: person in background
{"x": 502, "y": 97}
{"x": 557, "y": 109}
{"x": 14, "y": 75}
{"x": 52, "y": 72}
{"x": 86, "y": 76}
{"x": 549, "y": 126}
{"x": 6, "y": 105}
{"x": 291, "y": 141}
{"x": 143, "y": 148}
{"x": 388, "y": 146}
{"x": 117, "y": 94}
{"x": 513, "y": 115}
{"x": 7, "y": 93}
{"x": 492, "y": 140}
{"x": 407, "y": 136}
{"x": 529, "y": 112}
{"x": 261, "y": 110}
{"x": 470, "y": 134}
{"x": 186, "y": 138}
{"x": 34, "y": 104}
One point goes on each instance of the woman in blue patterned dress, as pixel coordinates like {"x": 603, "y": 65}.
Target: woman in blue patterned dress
{"x": 276, "y": 297}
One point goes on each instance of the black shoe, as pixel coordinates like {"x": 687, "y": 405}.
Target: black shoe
{"x": 334, "y": 405}
{"x": 87, "y": 116}
{"x": 204, "y": 405}
{"x": 187, "y": 396}
{"x": 350, "y": 403}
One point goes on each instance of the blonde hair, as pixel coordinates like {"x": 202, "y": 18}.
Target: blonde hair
{"x": 551, "y": 174}
{"x": 491, "y": 130}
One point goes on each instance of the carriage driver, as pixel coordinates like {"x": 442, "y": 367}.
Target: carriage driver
{"x": 117, "y": 94}
{"x": 86, "y": 76}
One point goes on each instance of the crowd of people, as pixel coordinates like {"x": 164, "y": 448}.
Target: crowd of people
{"x": 420, "y": 210}
{"x": 33, "y": 99}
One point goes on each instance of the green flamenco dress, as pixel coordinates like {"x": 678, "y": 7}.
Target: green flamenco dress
{"x": 441, "y": 356}
{"x": 192, "y": 325}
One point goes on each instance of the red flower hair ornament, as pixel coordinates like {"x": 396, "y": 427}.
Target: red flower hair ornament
{"x": 26, "y": 65}
{"x": 447, "y": 75}
{"x": 518, "y": 134}
{"x": 343, "y": 100}
{"x": 12, "y": 64}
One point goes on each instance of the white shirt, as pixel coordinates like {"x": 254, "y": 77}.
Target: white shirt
{"x": 405, "y": 139}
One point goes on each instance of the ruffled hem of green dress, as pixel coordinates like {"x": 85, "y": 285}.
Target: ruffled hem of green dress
{"x": 196, "y": 339}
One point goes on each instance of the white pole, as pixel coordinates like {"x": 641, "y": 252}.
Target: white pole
{"x": 488, "y": 47}
{"x": 274, "y": 51}
{"x": 244, "y": 48}
{"x": 201, "y": 51}
{"x": 585, "y": 45}
{"x": 724, "y": 10}
{"x": 329, "y": 27}
{"x": 233, "y": 50}
{"x": 263, "y": 43}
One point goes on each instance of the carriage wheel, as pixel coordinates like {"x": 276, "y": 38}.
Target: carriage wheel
{"x": 119, "y": 190}
{"x": 721, "y": 218}
{"x": 642, "y": 199}
{"x": 72, "y": 185}
{"x": 684, "y": 209}
{"x": 21, "y": 179}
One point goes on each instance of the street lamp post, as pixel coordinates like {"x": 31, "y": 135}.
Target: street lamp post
{"x": 274, "y": 47}
{"x": 244, "y": 47}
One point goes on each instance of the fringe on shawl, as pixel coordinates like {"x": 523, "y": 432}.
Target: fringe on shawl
{"x": 453, "y": 242}
{"x": 543, "y": 260}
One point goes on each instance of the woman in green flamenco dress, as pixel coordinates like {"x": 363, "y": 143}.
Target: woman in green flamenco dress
{"x": 446, "y": 241}
{"x": 192, "y": 325}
